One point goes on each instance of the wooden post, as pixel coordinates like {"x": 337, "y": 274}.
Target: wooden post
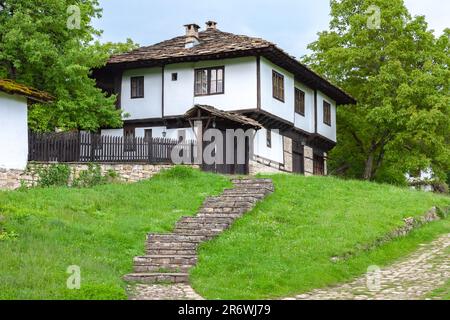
{"x": 91, "y": 136}
{"x": 150, "y": 150}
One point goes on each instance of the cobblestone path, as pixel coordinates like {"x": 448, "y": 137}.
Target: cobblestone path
{"x": 408, "y": 279}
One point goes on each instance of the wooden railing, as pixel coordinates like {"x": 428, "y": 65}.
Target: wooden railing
{"x": 88, "y": 147}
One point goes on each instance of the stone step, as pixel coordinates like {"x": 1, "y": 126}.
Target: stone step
{"x": 168, "y": 251}
{"x": 165, "y": 260}
{"x": 207, "y": 220}
{"x": 172, "y": 245}
{"x": 234, "y": 193}
{"x": 254, "y": 187}
{"x": 165, "y": 268}
{"x": 239, "y": 198}
{"x": 157, "y": 238}
{"x": 224, "y": 210}
{"x": 220, "y": 215}
{"x": 229, "y": 204}
{"x": 151, "y": 278}
{"x": 245, "y": 189}
{"x": 202, "y": 225}
{"x": 196, "y": 231}
{"x": 251, "y": 181}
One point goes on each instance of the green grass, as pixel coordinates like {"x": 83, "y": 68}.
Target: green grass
{"x": 442, "y": 293}
{"x": 283, "y": 247}
{"x": 99, "y": 229}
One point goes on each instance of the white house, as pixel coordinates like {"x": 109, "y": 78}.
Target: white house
{"x": 14, "y": 102}
{"x": 158, "y": 84}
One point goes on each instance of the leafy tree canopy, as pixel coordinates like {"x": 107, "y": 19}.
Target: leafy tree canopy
{"x": 49, "y": 44}
{"x": 399, "y": 73}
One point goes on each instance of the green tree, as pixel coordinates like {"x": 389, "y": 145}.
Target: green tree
{"x": 48, "y": 44}
{"x": 399, "y": 73}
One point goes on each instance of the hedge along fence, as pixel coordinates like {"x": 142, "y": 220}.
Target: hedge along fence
{"x": 84, "y": 147}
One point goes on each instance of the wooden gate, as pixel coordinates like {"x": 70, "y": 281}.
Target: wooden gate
{"x": 298, "y": 160}
{"x": 235, "y": 167}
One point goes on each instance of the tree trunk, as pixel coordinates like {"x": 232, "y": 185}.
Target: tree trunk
{"x": 368, "y": 170}
{"x": 11, "y": 70}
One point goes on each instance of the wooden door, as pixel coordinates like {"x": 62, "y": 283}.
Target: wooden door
{"x": 233, "y": 168}
{"x": 298, "y": 165}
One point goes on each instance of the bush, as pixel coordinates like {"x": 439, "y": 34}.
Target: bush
{"x": 93, "y": 177}
{"x": 56, "y": 175}
{"x": 59, "y": 175}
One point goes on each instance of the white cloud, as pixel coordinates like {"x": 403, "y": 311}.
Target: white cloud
{"x": 436, "y": 12}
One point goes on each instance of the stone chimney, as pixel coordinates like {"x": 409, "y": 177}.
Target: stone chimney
{"x": 192, "y": 38}
{"x": 211, "y": 25}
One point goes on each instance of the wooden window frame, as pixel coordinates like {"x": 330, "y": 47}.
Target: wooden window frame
{"x": 148, "y": 134}
{"x": 208, "y": 81}
{"x": 300, "y": 104}
{"x": 269, "y": 138}
{"x": 278, "y": 91}
{"x": 327, "y": 113}
{"x": 139, "y": 79}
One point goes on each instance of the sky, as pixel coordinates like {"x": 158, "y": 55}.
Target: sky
{"x": 292, "y": 24}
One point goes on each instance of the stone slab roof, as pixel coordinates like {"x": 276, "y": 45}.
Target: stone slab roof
{"x": 232, "y": 116}
{"x": 14, "y": 88}
{"x": 212, "y": 41}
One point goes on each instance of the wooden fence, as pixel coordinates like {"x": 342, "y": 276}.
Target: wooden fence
{"x": 88, "y": 147}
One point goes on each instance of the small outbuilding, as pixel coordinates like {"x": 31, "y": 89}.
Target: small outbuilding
{"x": 14, "y": 101}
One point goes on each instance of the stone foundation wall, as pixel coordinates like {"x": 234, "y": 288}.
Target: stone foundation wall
{"x": 10, "y": 179}
{"x": 259, "y": 165}
{"x": 309, "y": 161}
{"x": 287, "y": 150}
{"x": 13, "y": 179}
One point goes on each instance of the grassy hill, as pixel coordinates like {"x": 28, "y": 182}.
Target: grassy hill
{"x": 282, "y": 247}
{"x": 285, "y": 245}
{"x": 99, "y": 229}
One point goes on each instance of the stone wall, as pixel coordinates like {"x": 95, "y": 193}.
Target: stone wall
{"x": 13, "y": 179}
{"x": 309, "y": 160}
{"x": 409, "y": 224}
{"x": 287, "y": 150}
{"x": 259, "y": 165}
{"x": 10, "y": 179}
{"x": 263, "y": 165}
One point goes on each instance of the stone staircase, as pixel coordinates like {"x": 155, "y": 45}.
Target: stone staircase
{"x": 169, "y": 257}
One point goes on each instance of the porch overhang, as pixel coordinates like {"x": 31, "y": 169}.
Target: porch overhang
{"x": 215, "y": 118}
